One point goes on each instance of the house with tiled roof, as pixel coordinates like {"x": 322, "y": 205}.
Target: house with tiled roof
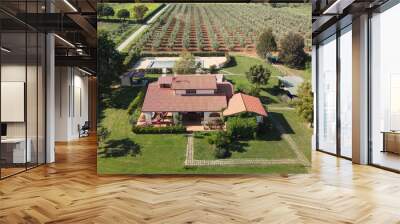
{"x": 194, "y": 99}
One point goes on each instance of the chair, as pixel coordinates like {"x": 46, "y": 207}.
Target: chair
{"x": 84, "y": 130}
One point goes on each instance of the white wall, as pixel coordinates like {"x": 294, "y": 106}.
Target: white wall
{"x": 71, "y": 102}
{"x": 180, "y": 92}
{"x": 205, "y": 91}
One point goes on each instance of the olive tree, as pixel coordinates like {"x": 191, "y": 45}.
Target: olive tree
{"x": 140, "y": 11}
{"x": 186, "y": 64}
{"x": 266, "y": 43}
{"x": 292, "y": 50}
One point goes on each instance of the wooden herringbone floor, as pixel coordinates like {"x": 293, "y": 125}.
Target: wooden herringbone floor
{"x": 69, "y": 191}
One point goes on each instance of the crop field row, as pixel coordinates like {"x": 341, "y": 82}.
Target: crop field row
{"x": 222, "y": 27}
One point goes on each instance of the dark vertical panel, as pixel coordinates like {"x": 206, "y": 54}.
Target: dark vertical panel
{"x": 316, "y": 97}
{"x": 369, "y": 36}
{"x": 26, "y": 86}
{"x": 37, "y": 91}
{"x": 338, "y": 72}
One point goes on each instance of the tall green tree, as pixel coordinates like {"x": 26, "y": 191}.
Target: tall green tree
{"x": 109, "y": 62}
{"x": 292, "y": 50}
{"x": 186, "y": 64}
{"x": 266, "y": 43}
{"x": 258, "y": 75}
{"x": 140, "y": 11}
{"x": 123, "y": 14}
{"x": 304, "y": 103}
{"x": 106, "y": 11}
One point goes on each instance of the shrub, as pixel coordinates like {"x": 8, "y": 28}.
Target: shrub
{"x": 135, "y": 116}
{"x": 158, "y": 130}
{"x": 213, "y": 69}
{"x": 304, "y": 104}
{"x": 258, "y": 75}
{"x": 123, "y": 14}
{"x": 241, "y": 128}
{"x": 222, "y": 142}
{"x": 106, "y": 11}
{"x": 222, "y": 153}
{"x": 254, "y": 91}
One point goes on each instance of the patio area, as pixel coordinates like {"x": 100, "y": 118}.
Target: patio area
{"x": 192, "y": 121}
{"x": 160, "y": 119}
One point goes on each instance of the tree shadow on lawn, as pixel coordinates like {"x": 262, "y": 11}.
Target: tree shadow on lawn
{"x": 121, "y": 98}
{"x": 238, "y": 146}
{"x": 267, "y": 100}
{"x": 279, "y": 118}
{"x": 275, "y": 90}
{"x": 120, "y": 147}
{"x": 231, "y": 63}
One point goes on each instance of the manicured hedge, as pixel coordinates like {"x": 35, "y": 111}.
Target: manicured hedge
{"x": 151, "y": 70}
{"x": 137, "y": 101}
{"x": 177, "y": 54}
{"x": 158, "y": 130}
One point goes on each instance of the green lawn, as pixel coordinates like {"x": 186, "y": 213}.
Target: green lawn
{"x": 297, "y": 128}
{"x": 158, "y": 153}
{"x": 268, "y": 146}
{"x": 130, "y": 6}
{"x": 270, "y": 93}
{"x": 163, "y": 153}
{"x": 239, "y": 65}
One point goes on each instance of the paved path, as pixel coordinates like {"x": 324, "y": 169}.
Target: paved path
{"x": 135, "y": 34}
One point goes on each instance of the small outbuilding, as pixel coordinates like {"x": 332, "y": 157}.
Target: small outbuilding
{"x": 240, "y": 103}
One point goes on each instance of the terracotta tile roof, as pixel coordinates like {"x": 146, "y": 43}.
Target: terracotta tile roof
{"x": 226, "y": 89}
{"x": 163, "y": 100}
{"x": 244, "y": 103}
{"x": 194, "y": 82}
{"x": 165, "y": 80}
